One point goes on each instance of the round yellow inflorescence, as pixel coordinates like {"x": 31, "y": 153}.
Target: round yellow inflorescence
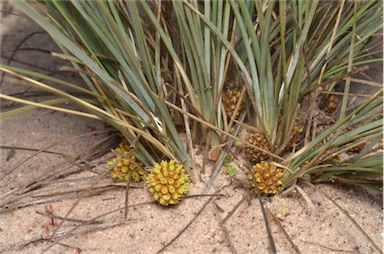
{"x": 126, "y": 164}
{"x": 268, "y": 177}
{"x": 168, "y": 182}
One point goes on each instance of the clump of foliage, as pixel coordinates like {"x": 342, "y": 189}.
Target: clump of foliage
{"x": 156, "y": 69}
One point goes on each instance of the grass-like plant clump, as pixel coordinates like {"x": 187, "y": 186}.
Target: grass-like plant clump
{"x": 271, "y": 78}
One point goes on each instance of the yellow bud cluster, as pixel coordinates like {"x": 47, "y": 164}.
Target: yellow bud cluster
{"x": 268, "y": 177}
{"x": 126, "y": 164}
{"x": 168, "y": 182}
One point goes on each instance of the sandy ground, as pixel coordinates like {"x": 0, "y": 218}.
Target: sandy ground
{"x": 315, "y": 225}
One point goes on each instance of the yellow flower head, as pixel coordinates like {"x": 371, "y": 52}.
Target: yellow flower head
{"x": 168, "y": 182}
{"x": 268, "y": 177}
{"x": 126, "y": 164}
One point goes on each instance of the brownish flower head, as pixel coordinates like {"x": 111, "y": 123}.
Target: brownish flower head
{"x": 330, "y": 105}
{"x": 230, "y": 99}
{"x": 295, "y": 137}
{"x": 259, "y": 140}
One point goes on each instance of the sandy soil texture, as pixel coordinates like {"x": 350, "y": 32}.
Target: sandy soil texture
{"x": 71, "y": 171}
